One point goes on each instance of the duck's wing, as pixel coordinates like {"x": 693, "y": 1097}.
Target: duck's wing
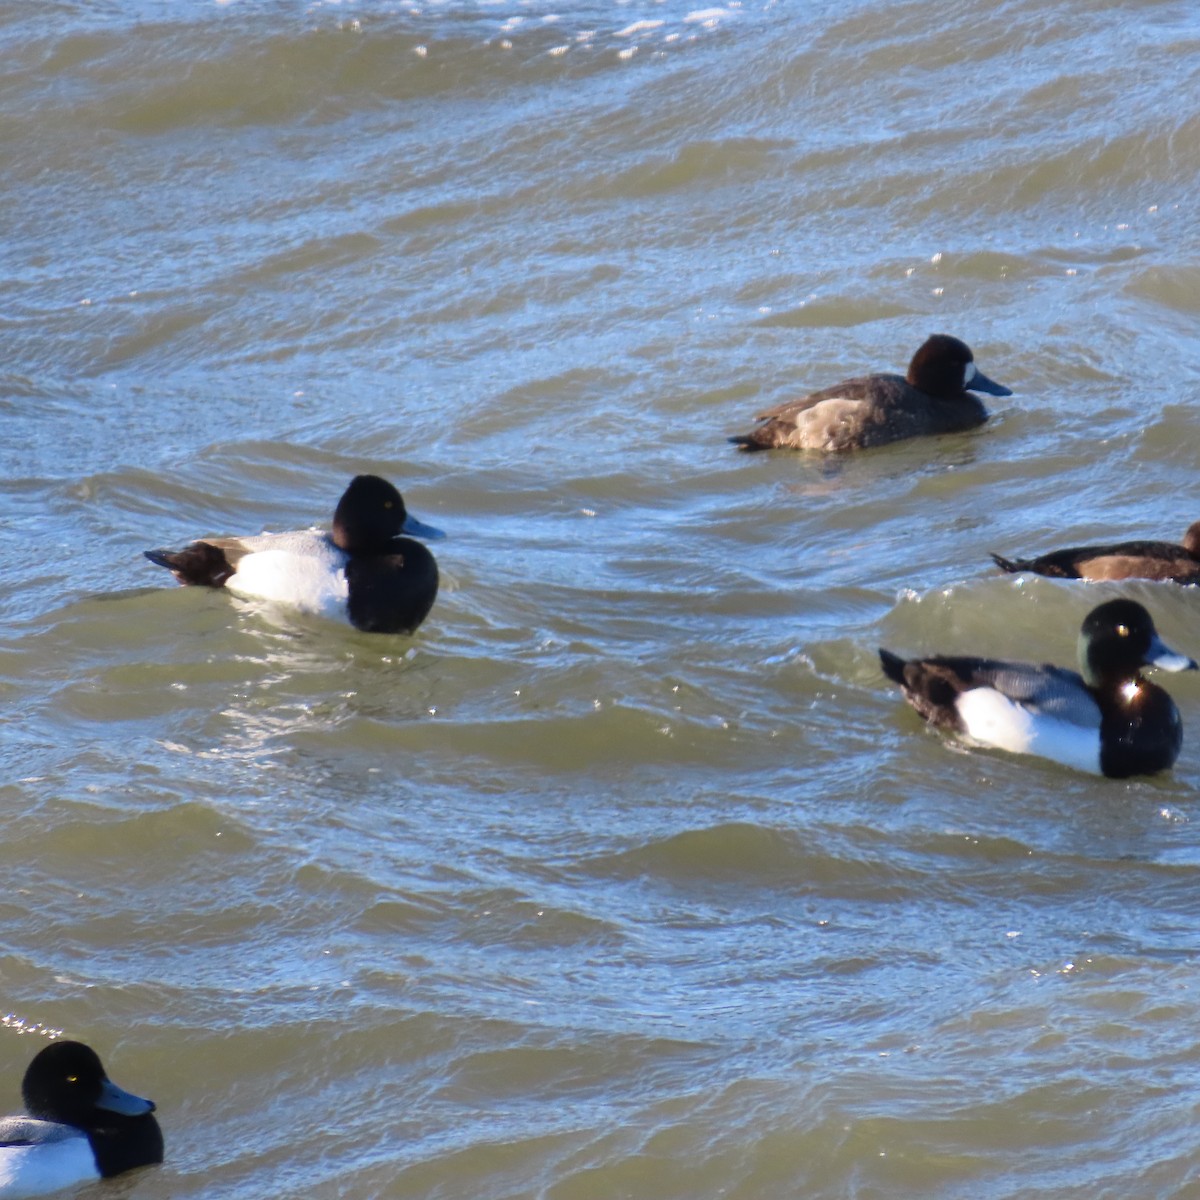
{"x": 303, "y": 543}
{"x": 306, "y": 571}
{"x": 848, "y": 416}
{"x": 1043, "y": 689}
{"x": 851, "y": 390}
{"x": 933, "y": 686}
{"x": 40, "y": 1157}
{"x": 212, "y": 562}
{"x": 300, "y": 542}
{"x": 1020, "y": 707}
{"x": 29, "y": 1131}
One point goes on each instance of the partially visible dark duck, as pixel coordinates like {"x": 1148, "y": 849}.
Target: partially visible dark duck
{"x": 872, "y": 410}
{"x": 1118, "y": 560}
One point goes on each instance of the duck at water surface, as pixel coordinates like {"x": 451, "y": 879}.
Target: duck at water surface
{"x": 79, "y": 1126}
{"x": 1117, "y": 560}
{"x": 1108, "y": 719}
{"x": 936, "y": 396}
{"x": 364, "y": 571}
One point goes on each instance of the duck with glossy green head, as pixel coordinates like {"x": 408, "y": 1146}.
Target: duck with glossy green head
{"x": 1108, "y": 719}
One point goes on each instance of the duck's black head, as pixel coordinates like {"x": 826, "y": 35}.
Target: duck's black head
{"x": 1119, "y": 637}
{"x": 66, "y": 1082}
{"x": 944, "y": 367}
{"x": 370, "y": 515}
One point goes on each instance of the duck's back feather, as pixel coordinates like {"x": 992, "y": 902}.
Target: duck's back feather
{"x": 30, "y": 1131}
{"x": 936, "y": 686}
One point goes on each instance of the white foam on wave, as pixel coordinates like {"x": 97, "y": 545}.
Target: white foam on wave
{"x": 643, "y": 32}
{"x": 639, "y": 27}
{"x": 708, "y": 16}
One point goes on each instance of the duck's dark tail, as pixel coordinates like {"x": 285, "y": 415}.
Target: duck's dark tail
{"x": 748, "y": 441}
{"x": 200, "y": 564}
{"x": 893, "y": 665}
{"x": 1011, "y": 565}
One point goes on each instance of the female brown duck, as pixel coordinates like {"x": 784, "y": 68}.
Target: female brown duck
{"x": 1118, "y": 560}
{"x": 872, "y": 410}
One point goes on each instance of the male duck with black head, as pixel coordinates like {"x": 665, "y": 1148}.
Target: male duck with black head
{"x": 936, "y": 396}
{"x": 1164, "y": 561}
{"x": 364, "y": 571}
{"x": 80, "y": 1126}
{"x": 1109, "y": 720}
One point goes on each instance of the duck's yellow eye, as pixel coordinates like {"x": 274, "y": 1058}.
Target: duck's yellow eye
{"x": 387, "y": 504}
{"x": 72, "y": 1078}
{"x": 1122, "y": 631}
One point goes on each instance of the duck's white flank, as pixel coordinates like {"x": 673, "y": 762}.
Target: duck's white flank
{"x": 992, "y": 719}
{"x": 47, "y": 1166}
{"x": 304, "y": 571}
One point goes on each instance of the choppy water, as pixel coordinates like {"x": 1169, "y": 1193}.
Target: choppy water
{"x": 628, "y": 875}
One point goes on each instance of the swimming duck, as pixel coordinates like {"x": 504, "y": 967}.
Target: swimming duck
{"x": 363, "y": 571}
{"x": 1109, "y": 720}
{"x": 1118, "y": 560}
{"x": 871, "y": 410}
{"x": 80, "y": 1126}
